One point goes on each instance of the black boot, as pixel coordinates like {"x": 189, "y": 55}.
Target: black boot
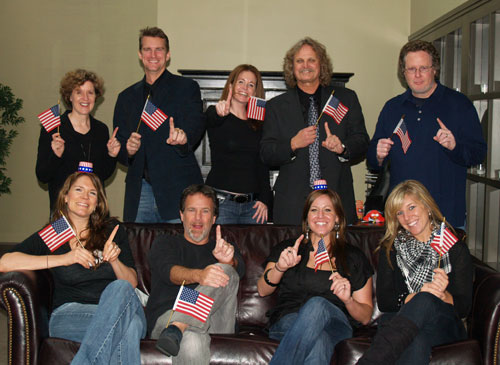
{"x": 390, "y": 342}
{"x": 169, "y": 341}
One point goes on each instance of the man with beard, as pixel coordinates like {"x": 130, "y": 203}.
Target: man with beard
{"x": 212, "y": 267}
{"x": 307, "y": 144}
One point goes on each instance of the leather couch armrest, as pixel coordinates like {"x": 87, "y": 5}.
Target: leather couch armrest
{"x": 485, "y": 317}
{"x": 26, "y": 297}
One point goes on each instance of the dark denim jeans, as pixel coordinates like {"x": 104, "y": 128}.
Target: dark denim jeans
{"x": 231, "y": 212}
{"x": 437, "y": 322}
{"x": 310, "y": 335}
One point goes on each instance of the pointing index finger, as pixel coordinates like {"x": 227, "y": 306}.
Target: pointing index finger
{"x": 297, "y": 243}
{"x": 441, "y": 124}
{"x": 327, "y": 129}
{"x": 171, "y": 122}
{"x": 230, "y": 94}
{"x": 113, "y": 233}
{"x": 218, "y": 235}
{"x": 114, "y": 133}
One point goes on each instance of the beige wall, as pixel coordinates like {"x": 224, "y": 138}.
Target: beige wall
{"x": 424, "y": 12}
{"x": 43, "y": 40}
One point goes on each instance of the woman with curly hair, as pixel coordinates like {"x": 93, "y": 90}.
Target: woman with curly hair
{"x": 93, "y": 301}
{"x": 80, "y": 137}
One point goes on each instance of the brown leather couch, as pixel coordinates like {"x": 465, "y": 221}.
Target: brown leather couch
{"x": 26, "y": 298}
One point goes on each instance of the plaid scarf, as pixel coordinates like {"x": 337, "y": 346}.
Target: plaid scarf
{"x": 417, "y": 260}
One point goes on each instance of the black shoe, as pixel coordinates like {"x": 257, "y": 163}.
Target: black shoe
{"x": 169, "y": 341}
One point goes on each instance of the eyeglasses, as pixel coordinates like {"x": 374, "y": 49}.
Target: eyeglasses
{"x": 421, "y": 69}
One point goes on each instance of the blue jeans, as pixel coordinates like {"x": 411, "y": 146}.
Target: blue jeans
{"x": 310, "y": 335}
{"x": 437, "y": 323}
{"x": 231, "y": 212}
{"x": 109, "y": 332}
{"x": 147, "y": 212}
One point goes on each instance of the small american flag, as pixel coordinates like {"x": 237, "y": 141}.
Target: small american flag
{"x": 84, "y": 166}
{"x": 152, "y": 115}
{"x": 50, "y": 118}
{"x": 335, "y": 109}
{"x": 57, "y": 234}
{"x": 321, "y": 255}
{"x": 193, "y": 303}
{"x": 403, "y": 135}
{"x": 443, "y": 241}
{"x": 256, "y": 108}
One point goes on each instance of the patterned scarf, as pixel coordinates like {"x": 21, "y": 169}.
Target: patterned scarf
{"x": 417, "y": 260}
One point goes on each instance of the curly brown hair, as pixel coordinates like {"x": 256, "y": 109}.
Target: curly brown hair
{"x": 154, "y": 32}
{"x": 76, "y": 78}
{"x": 415, "y": 46}
{"x": 98, "y": 220}
{"x": 325, "y": 62}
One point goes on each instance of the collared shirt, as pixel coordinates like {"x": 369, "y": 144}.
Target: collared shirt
{"x": 443, "y": 172}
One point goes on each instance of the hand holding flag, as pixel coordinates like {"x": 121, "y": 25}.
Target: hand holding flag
{"x": 445, "y": 137}
{"x": 176, "y": 136}
{"x": 133, "y": 143}
{"x": 57, "y": 144}
{"x": 50, "y": 118}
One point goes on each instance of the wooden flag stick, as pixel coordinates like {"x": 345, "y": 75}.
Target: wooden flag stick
{"x": 58, "y": 107}
{"x": 76, "y": 236}
{"x": 173, "y": 310}
{"x": 317, "y": 121}
{"x": 139, "y": 124}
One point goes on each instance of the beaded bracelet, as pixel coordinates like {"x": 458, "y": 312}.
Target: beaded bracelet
{"x": 266, "y": 279}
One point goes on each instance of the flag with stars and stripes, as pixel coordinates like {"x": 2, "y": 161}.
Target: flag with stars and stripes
{"x": 50, "y": 118}
{"x": 57, "y": 233}
{"x": 321, "y": 255}
{"x": 152, "y": 115}
{"x": 335, "y": 109}
{"x": 193, "y": 303}
{"x": 256, "y": 108}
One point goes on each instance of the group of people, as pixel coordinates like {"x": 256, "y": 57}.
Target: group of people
{"x": 423, "y": 295}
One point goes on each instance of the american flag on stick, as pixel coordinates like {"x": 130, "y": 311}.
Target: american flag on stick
{"x": 335, "y": 109}
{"x": 443, "y": 241}
{"x": 193, "y": 303}
{"x": 256, "y": 108}
{"x": 321, "y": 255}
{"x": 50, "y": 118}
{"x": 57, "y": 233}
{"x": 403, "y": 134}
{"x": 152, "y": 115}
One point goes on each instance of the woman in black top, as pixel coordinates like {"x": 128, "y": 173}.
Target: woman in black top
{"x": 238, "y": 175}
{"x": 423, "y": 296}
{"x": 94, "y": 301}
{"x": 316, "y": 309}
{"x": 79, "y": 138}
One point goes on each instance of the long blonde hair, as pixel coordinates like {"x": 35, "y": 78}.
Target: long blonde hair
{"x": 394, "y": 203}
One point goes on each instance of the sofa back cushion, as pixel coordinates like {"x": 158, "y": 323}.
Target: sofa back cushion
{"x": 255, "y": 243}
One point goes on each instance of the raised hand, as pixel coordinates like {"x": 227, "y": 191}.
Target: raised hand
{"x": 111, "y": 250}
{"x": 133, "y": 143}
{"x": 223, "y": 251}
{"x": 332, "y": 142}
{"x": 341, "y": 287}
{"x": 384, "y": 145}
{"x": 57, "y": 144}
{"x": 289, "y": 257}
{"x": 113, "y": 144}
{"x": 304, "y": 137}
{"x": 444, "y": 136}
{"x": 260, "y": 212}
{"x": 223, "y": 106}
{"x": 176, "y": 136}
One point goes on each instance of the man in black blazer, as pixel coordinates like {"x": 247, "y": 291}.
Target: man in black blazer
{"x": 160, "y": 163}
{"x": 286, "y": 138}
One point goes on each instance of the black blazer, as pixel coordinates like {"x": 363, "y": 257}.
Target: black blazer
{"x": 284, "y": 119}
{"x": 171, "y": 168}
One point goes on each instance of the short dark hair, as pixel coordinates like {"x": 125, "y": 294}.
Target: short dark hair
{"x": 415, "y": 46}
{"x": 200, "y": 189}
{"x": 153, "y": 32}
